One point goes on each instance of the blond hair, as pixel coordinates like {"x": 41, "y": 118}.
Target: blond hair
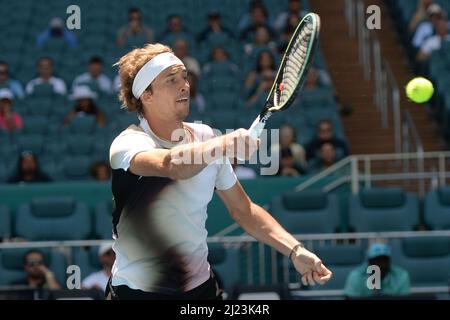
{"x": 129, "y": 65}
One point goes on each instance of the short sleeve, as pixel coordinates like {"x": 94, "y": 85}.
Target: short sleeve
{"x": 226, "y": 178}
{"x": 126, "y": 146}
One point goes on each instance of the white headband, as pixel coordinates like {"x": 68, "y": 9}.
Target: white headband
{"x": 151, "y": 70}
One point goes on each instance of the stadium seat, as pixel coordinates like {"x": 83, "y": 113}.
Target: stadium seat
{"x": 53, "y": 218}
{"x": 437, "y": 209}
{"x": 35, "y": 125}
{"x": 79, "y": 144}
{"x": 427, "y": 259}
{"x": 87, "y": 259}
{"x": 225, "y": 264}
{"x": 83, "y": 125}
{"x": 383, "y": 209}
{"x": 77, "y": 167}
{"x": 5, "y": 223}
{"x": 12, "y": 268}
{"x": 103, "y": 220}
{"x": 306, "y": 211}
{"x": 30, "y": 142}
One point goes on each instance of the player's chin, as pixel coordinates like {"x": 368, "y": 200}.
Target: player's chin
{"x": 183, "y": 110}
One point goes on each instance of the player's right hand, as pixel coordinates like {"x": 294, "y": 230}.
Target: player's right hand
{"x": 240, "y": 144}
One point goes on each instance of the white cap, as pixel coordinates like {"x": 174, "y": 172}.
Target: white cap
{"x": 82, "y": 92}
{"x": 56, "y": 22}
{"x": 6, "y": 94}
{"x": 434, "y": 9}
{"x": 104, "y": 247}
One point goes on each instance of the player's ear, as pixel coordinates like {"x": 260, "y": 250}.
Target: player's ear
{"x": 147, "y": 96}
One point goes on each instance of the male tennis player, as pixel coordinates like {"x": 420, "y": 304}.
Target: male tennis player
{"x": 161, "y": 201}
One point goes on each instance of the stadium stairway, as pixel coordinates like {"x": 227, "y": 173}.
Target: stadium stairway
{"x": 363, "y": 126}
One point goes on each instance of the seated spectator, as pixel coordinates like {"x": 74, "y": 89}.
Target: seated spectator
{"x": 288, "y": 166}
{"x": 45, "y": 72}
{"x": 219, "y": 56}
{"x": 214, "y": 27}
{"x": 37, "y": 273}
{"x": 394, "y": 279}
{"x": 261, "y": 42}
{"x": 265, "y": 63}
{"x": 197, "y": 101}
{"x": 11, "y": 84}
{"x": 9, "y": 120}
{"x": 427, "y": 27}
{"x": 101, "y": 171}
{"x": 175, "y": 30}
{"x": 260, "y": 94}
{"x": 95, "y": 78}
{"x": 84, "y": 106}
{"x": 327, "y": 157}
{"x": 435, "y": 42}
{"x": 257, "y": 13}
{"x": 294, "y": 8}
{"x": 242, "y": 172}
{"x": 288, "y": 139}
{"x": 324, "y": 133}
{"x": 420, "y": 14}
{"x": 286, "y": 33}
{"x": 316, "y": 78}
{"x": 57, "y": 31}
{"x": 99, "y": 280}
{"x": 128, "y": 34}
{"x": 259, "y": 18}
{"x": 181, "y": 50}
{"x": 28, "y": 170}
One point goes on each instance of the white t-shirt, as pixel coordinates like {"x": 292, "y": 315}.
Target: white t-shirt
{"x": 433, "y": 43}
{"x": 104, "y": 83}
{"x": 159, "y": 224}
{"x": 59, "y": 86}
{"x": 96, "y": 279}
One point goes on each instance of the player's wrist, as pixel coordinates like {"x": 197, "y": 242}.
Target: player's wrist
{"x": 295, "y": 251}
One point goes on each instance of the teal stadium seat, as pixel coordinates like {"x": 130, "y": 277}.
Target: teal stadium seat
{"x": 30, "y": 142}
{"x": 53, "y": 218}
{"x": 427, "y": 259}
{"x": 76, "y": 167}
{"x": 437, "y": 209}
{"x": 87, "y": 259}
{"x": 5, "y": 223}
{"x": 12, "y": 268}
{"x": 311, "y": 211}
{"x": 103, "y": 220}
{"x": 35, "y": 125}
{"x": 383, "y": 209}
{"x": 225, "y": 264}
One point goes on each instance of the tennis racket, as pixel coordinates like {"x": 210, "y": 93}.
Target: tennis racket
{"x": 292, "y": 72}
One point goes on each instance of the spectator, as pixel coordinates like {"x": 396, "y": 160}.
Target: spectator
{"x": 294, "y": 8}
{"x": 214, "y": 27}
{"x": 99, "y": 280}
{"x": 94, "y": 77}
{"x": 9, "y": 120}
{"x": 317, "y": 78}
{"x": 394, "y": 279}
{"x": 428, "y": 27}
{"x": 261, "y": 42}
{"x": 420, "y": 14}
{"x": 286, "y": 33}
{"x": 11, "y": 84}
{"x": 435, "y": 42}
{"x": 180, "y": 49}
{"x": 327, "y": 157}
{"x": 101, "y": 171}
{"x": 128, "y": 34}
{"x": 260, "y": 94}
{"x": 28, "y": 170}
{"x": 324, "y": 133}
{"x": 116, "y": 84}
{"x": 57, "y": 31}
{"x": 288, "y": 166}
{"x": 246, "y": 20}
{"x": 259, "y": 18}
{"x": 38, "y": 274}
{"x": 84, "y": 106}
{"x": 197, "y": 101}
{"x": 45, "y": 72}
{"x": 175, "y": 30}
{"x": 219, "y": 56}
{"x": 288, "y": 140}
{"x": 242, "y": 172}
{"x": 265, "y": 63}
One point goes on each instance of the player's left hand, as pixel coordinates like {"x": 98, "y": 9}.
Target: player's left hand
{"x": 311, "y": 268}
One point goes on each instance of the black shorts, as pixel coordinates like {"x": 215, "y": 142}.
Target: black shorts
{"x": 209, "y": 290}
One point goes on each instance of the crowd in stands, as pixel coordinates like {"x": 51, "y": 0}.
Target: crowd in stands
{"x": 216, "y": 73}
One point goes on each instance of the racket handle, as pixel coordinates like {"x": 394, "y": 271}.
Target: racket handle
{"x": 258, "y": 125}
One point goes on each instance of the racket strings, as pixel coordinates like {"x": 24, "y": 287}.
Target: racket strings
{"x": 295, "y": 62}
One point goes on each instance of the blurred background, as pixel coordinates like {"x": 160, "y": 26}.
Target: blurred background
{"x": 363, "y": 175}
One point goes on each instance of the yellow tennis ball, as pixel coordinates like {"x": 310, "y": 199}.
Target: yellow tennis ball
{"x": 419, "y": 90}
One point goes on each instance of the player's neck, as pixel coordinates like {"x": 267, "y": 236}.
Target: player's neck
{"x": 164, "y": 129}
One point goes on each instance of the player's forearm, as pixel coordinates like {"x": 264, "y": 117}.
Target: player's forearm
{"x": 185, "y": 161}
{"x": 261, "y": 225}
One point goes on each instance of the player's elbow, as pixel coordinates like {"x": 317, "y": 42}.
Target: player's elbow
{"x": 242, "y": 212}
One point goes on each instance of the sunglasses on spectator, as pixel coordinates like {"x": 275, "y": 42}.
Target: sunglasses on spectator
{"x": 33, "y": 263}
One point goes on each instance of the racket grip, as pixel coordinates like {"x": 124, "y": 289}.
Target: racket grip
{"x": 257, "y": 127}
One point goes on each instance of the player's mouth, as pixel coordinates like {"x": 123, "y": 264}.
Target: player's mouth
{"x": 182, "y": 100}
